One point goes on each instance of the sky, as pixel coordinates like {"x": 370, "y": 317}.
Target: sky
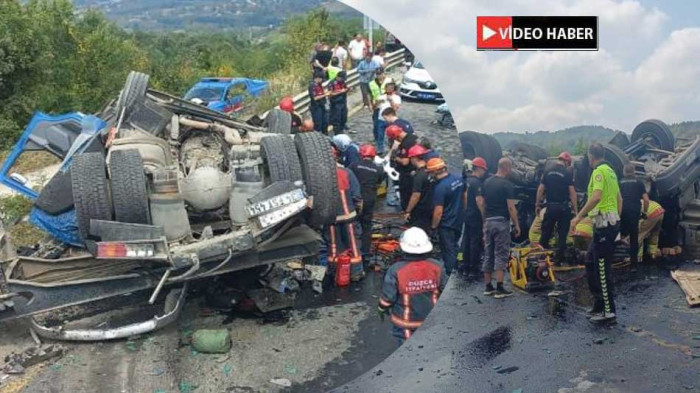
{"x": 647, "y": 65}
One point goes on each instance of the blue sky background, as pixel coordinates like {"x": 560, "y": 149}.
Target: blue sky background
{"x": 648, "y": 65}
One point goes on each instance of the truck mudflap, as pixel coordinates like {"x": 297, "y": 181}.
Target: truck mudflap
{"x": 174, "y": 301}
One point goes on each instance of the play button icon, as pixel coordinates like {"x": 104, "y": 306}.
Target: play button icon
{"x": 487, "y": 33}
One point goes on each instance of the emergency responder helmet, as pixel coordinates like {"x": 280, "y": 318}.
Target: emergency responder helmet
{"x": 480, "y": 162}
{"x": 367, "y": 151}
{"x": 415, "y": 241}
{"x": 565, "y": 156}
{"x": 435, "y": 164}
{"x": 342, "y": 141}
{"x": 393, "y": 131}
{"x": 287, "y": 104}
{"x": 416, "y": 151}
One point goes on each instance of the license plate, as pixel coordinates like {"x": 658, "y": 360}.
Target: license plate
{"x": 426, "y": 96}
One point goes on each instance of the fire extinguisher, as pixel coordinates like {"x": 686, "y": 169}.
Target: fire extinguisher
{"x": 342, "y": 270}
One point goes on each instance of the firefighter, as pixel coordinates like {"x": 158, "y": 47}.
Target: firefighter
{"x": 287, "y": 104}
{"x": 473, "y": 232}
{"x": 635, "y": 201}
{"x": 449, "y": 200}
{"x": 319, "y": 100}
{"x": 339, "y": 103}
{"x": 401, "y": 161}
{"x": 603, "y": 207}
{"x": 369, "y": 175}
{"x": 349, "y": 150}
{"x": 412, "y": 285}
{"x": 557, "y": 186}
{"x": 419, "y": 210}
{"x": 342, "y": 236}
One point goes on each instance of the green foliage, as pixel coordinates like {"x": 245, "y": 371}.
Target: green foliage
{"x": 13, "y": 208}
{"x": 686, "y": 129}
{"x": 56, "y": 60}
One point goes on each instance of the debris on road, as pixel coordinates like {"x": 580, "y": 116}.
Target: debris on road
{"x": 689, "y": 281}
{"x": 16, "y": 363}
{"x": 281, "y": 382}
{"x": 211, "y": 340}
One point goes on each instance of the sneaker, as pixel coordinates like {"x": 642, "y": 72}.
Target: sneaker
{"x": 603, "y": 318}
{"x": 356, "y": 278}
{"x": 594, "y": 310}
{"x": 490, "y": 290}
{"x": 501, "y": 293}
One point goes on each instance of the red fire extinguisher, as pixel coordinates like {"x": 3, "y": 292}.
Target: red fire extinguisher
{"x": 342, "y": 270}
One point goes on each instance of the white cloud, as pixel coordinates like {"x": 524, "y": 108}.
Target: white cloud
{"x": 643, "y": 69}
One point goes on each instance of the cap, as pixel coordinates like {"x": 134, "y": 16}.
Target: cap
{"x": 435, "y": 164}
{"x": 416, "y": 151}
{"x": 479, "y": 162}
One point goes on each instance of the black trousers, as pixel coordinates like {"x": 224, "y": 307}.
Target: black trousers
{"x": 629, "y": 226}
{"x": 473, "y": 242}
{"x": 558, "y": 214}
{"x": 405, "y": 189}
{"x": 421, "y": 219}
{"x": 338, "y": 116}
{"x": 320, "y": 117}
{"x": 365, "y": 219}
{"x": 598, "y": 268}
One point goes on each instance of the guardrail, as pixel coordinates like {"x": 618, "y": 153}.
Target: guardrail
{"x": 301, "y": 100}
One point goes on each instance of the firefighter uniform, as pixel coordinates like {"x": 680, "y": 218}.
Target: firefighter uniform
{"x": 317, "y": 107}
{"x": 473, "y": 233}
{"x": 556, "y": 184}
{"x": 342, "y": 236}
{"x": 339, "y": 103}
{"x": 369, "y": 175}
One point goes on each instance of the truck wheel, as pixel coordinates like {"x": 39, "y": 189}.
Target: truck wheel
{"x": 274, "y": 155}
{"x": 319, "y": 173}
{"x": 620, "y": 140}
{"x": 129, "y": 188}
{"x": 290, "y": 152}
{"x": 613, "y": 155}
{"x": 134, "y": 91}
{"x": 475, "y": 144}
{"x": 279, "y": 122}
{"x": 532, "y": 152}
{"x": 90, "y": 190}
{"x": 657, "y": 132}
{"x": 57, "y": 196}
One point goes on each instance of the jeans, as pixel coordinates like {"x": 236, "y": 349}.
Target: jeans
{"x": 378, "y": 130}
{"x": 598, "y": 268}
{"x": 449, "y": 247}
{"x": 559, "y": 214}
{"x": 320, "y": 117}
{"x": 366, "y": 95}
{"x": 391, "y": 198}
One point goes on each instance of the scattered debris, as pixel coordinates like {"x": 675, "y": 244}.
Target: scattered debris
{"x": 508, "y": 370}
{"x": 186, "y": 387}
{"x": 157, "y": 372}
{"x": 16, "y": 363}
{"x": 228, "y": 369}
{"x": 555, "y": 294}
{"x": 281, "y": 382}
{"x": 497, "y": 367}
{"x": 599, "y": 340}
{"x": 267, "y": 300}
{"x": 689, "y": 281}
{"x": 379, "y": 373}
{"x": 211, "y": 340}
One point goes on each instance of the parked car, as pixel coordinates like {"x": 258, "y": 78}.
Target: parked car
{"x": 223, "y": 94}
{"x": 418, "y": 84}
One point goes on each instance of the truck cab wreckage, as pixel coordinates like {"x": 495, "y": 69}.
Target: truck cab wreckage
{"x": 154, "y": 192}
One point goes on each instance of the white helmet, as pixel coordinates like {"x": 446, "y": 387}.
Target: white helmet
{"x": 415, "y": 241}
{"x": 342, "y": 141}
{"x": 468, "y": 166}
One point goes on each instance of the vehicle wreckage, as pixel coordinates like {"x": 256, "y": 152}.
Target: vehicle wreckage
{"x": 155, "y": 191}
{"x": 670, "y": 168}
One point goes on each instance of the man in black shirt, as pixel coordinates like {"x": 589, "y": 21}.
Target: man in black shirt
{"x": 370, "y": 176}
{"x": 401, "y": 160}
{"x": 419, "y": 211}
{"x": 499, "y": 201}
{"x": 558, "y": 187}
{"x": 633, "y": 192}
{"x": 473, "y": 232}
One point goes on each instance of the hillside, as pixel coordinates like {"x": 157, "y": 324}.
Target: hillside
{"x": 208, "y": 14}
{"x": 575, "y": 139}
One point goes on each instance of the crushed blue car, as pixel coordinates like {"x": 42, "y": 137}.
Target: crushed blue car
{"x": 225, "y": 95}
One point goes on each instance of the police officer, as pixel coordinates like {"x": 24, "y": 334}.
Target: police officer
{"x": 633, "y": 193}
{"x": 473, "y": 233}
{"x": 558, "y": 187}
{"x": 419, "y": 210}
{"x": 401, "y": 160}
{"x": 319, "y": 100}
{"x": 603, "y": 207}
{"x": 412, "y": 285}
{"x": 449, "y": 200}
{"x": 370, "y": 175}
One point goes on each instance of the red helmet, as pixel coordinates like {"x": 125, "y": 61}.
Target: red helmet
{"x": 367, "y": 151}
{"x": 287, "y": 104}
{"x": 565, "y": 156}
{"x": 393, "y": 131}
{"x": 480, "y": 162}
{"x": 416, "y": 151}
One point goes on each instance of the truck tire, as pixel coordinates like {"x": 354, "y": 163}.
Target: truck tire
{"x": 319, "y": 172}
{"x": 279, "y": 122}
{"x": 290, "y": 152}
{"x": 613, "y": 155}
{"x": 532, "y": 152}
{"x": 57, "y": 195}
{"x": 475, "y": 144}
{"x": 134, "y": 91}
{"x": 656, "y": 131}
{"x": 90, "y": 190}
{"x": 274, "y": 155}
{"x": 620, "y": 140}
{"x": 129, "y": 187}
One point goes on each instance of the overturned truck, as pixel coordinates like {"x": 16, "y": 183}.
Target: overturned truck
{"x": 669, "y": 166}
{"x": 153, "y": 192}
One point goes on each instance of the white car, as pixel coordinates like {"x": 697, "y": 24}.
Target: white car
{"x": 418, "y": 84}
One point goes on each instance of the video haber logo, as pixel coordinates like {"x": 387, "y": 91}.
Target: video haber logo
{"x": 537, "y": 33}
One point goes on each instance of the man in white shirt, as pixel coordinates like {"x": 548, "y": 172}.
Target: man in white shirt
{"x": 379, "y": 57}
{"x": 357, "y": 50}
{"x": 341, "y": 53}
